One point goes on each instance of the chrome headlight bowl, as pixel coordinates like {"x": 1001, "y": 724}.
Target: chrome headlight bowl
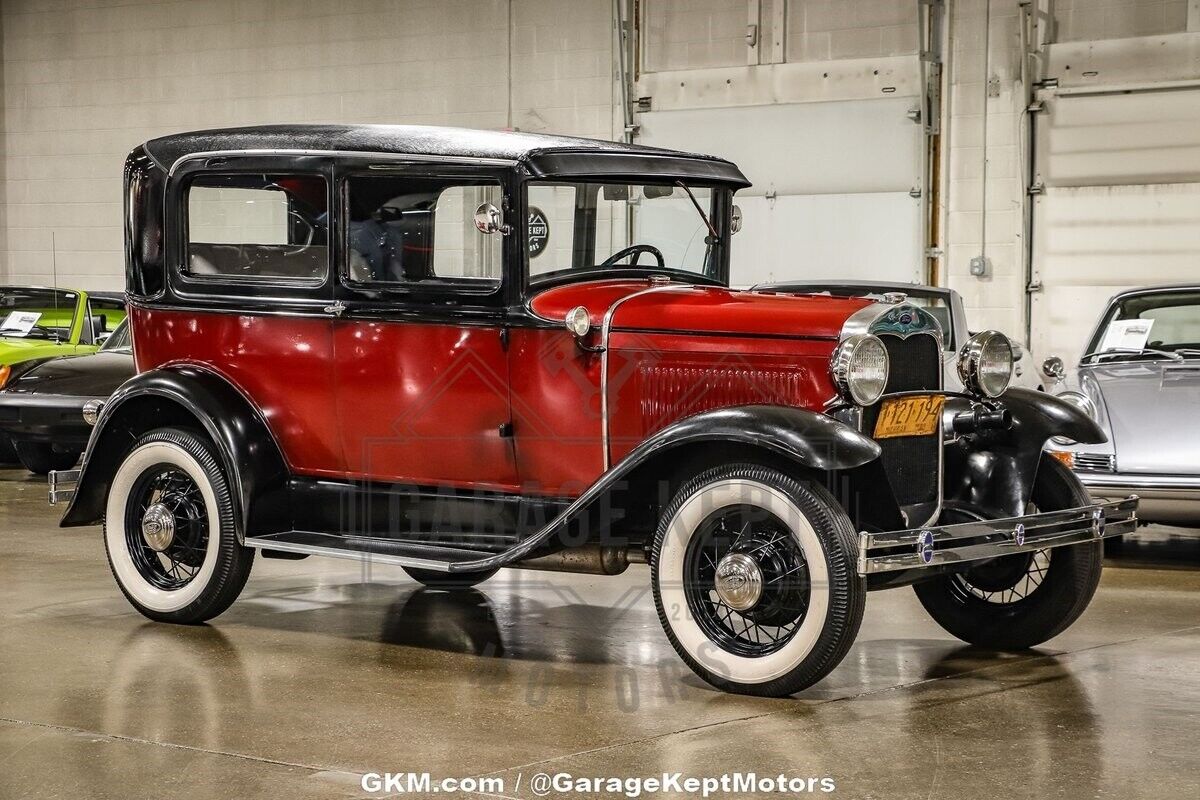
{"x": 985, "y": 363}
{"x": 860, "y": 369}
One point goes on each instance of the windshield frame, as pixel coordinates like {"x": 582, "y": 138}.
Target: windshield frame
{"x": 1090, "y": 356}
{"x": 719, "y": 214}
{"x": 67, "y": 299}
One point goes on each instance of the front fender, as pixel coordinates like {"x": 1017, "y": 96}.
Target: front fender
{"x": 187, "y": 396}
{"x": 993, "y": 472}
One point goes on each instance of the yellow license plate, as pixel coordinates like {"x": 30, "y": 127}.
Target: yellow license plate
{"x": 909, "y": 416}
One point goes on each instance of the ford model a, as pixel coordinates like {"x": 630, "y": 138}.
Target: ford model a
{"x": 457, "y": 351}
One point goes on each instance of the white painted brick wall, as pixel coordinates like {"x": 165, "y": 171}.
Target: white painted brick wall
{"x": 995, "y": 301}
{"x": 84, "y": 81}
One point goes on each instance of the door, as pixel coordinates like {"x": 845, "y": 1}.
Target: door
{"x": 420, "y": 363}
{"x": 1120, "y": 206}
{"x": 832, "y": 181}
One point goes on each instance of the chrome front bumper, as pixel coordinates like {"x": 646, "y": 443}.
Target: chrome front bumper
{"x": 62, "y": 485}
{"x": 941, "y": 545}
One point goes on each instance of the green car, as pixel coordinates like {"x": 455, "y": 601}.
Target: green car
{"x": 38, "y": 323}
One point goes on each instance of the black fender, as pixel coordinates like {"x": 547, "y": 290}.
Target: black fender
{"x": 808, "y": 440}
{"x": 188, "y": 396}
{"x": 993, "y": 472}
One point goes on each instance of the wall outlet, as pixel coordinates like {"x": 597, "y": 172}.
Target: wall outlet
{"x": 979, "y": 266}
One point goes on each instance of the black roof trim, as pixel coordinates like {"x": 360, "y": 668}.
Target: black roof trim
{"x": 542, "y": 154}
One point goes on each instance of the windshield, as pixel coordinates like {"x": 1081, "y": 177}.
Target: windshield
{"x": 119, "y": 340}
{"x": 588, "y": 226}
{"x": 1163, "y": 325}
{"x": 36, "y": 313}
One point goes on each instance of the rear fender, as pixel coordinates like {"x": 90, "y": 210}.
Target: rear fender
{"x": 193, "y": 397}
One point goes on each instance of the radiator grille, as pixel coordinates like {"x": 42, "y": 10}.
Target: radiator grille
{"x": 911, "y": 462}
{"x": 672, "y": 392}
{"x": 1095, "y": 462}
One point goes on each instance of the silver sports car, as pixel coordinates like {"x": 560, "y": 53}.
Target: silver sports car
{"x": 1139, "y": 378}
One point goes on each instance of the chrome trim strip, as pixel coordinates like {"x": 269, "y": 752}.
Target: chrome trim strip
{"x": 1104, "y": 480}
{"x": 605, "y": 331}
{"x": 337, "y": 552}
{"x": 956, "y": 544}
{"x": 382, "y": 156}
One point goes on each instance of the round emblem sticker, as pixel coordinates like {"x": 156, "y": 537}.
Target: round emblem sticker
{"x": 539, "y": 231}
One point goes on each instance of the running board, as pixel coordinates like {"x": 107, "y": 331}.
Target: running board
{"x": 372, "y": 549}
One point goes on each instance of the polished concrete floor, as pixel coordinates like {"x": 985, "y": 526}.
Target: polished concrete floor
{"x": 324, "y": 671}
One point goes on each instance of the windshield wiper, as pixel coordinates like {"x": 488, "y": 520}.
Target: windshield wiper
{"x": 1136, "y": 351}
{"x": 712, "y": 231}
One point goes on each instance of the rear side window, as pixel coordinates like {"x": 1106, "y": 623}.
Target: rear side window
{"x": 408, "y": 230}
{"x": 258, "y": 226}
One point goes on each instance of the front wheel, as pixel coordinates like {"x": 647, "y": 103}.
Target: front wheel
{"x": 1022, "y": 600}
{"x": 754, "y": 579}
{"x": 170, "y": 531}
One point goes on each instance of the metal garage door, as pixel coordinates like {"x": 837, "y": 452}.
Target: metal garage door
{"x": 1120, "y": 205}
{"x": 831, "y": 184}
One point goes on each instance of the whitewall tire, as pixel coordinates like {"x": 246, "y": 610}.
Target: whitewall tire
{"x": 754, "y": 579}
{"x": 169, "y": 529}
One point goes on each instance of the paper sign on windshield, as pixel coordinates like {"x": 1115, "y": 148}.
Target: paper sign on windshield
{"x": 19, "y": 323}
{"x": 1126, "y": 334}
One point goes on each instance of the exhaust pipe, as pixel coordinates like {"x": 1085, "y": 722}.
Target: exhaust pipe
{"x": 590, "y": 560}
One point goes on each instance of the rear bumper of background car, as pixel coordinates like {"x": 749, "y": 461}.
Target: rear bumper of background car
{"x": 45, "y": 418}
{"x": 1171, "y": 499}
{"x": 947, "y": 545}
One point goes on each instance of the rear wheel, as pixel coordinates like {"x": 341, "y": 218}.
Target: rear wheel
{"x": 1022, "y": 600}
{"x": 754, "y": 580}
{"x": 8, "y": 452}
{"x": 41, "y": 458}
{"x": 170, "y": 531}
{"x": 448, "y": 580}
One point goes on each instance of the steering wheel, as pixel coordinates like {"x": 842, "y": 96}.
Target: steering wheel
{"x": 636, "y": 251}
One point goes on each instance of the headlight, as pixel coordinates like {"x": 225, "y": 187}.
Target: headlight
{"x": 985, "y": 363}
{"x": 860, "y": 368}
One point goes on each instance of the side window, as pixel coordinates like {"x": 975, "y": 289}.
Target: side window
{"x": 103, "y": 318}
{"x": 258, "y": 226}
{"x": 405, "y": 230}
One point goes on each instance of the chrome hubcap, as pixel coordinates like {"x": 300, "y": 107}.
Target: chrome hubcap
{"x": 739, "y": 581}
{"x": 158, "y": 527}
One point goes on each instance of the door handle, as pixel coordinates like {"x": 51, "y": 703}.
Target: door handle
{"x": 336, "y": 309}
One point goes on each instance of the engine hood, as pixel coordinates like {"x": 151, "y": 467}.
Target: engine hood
{"x": 680, "y": 307}
{"x": 96, "y": 375}
{"x": 14, "y": 350}
{"x": 1150, "y": 411}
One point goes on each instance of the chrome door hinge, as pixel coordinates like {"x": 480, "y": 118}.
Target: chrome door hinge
{"x": 336, "y": 309}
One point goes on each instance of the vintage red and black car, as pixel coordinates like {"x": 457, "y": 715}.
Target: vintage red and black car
{"x": 457, "y": 351}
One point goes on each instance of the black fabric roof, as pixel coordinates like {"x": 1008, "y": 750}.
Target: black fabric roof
{"x": 530, "y": 148}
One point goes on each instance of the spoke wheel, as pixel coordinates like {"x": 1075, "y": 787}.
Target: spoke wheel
{"x": 1024, "y": 599}
{"x": 166, "y": 527}
{"x": 754, "y": 582}
{"x": 746, "y": 581}
{"x": 171, "y": 529}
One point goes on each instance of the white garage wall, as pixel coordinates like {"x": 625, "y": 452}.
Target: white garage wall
{"x": 87, "y": 80}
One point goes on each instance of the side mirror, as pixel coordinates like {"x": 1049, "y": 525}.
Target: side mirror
{"x": 489, "y": 220}
{"x": 1053, "y": 367}
{"x": 735, "y": 224}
